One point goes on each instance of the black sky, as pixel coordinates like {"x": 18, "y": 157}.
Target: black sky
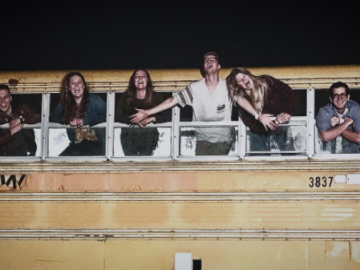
{"x": 73, "y": 38}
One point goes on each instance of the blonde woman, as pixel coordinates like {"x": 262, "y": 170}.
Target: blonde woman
{"x": 269, "y": 97}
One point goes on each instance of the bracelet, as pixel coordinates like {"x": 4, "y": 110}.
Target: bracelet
{"x": 257, "y": 115}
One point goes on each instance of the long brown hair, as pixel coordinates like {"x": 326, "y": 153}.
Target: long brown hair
{"x": 131, "y": 91}
{"x": 70, "y": 107}
{"x": 257, "y": 95}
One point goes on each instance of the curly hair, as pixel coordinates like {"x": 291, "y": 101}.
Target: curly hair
{"x": 70, "y": 108}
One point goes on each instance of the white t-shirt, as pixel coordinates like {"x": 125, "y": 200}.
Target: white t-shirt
{"x": 208, "y": 107}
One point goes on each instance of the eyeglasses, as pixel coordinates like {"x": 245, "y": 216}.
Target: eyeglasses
{"x": 339, "y": 96}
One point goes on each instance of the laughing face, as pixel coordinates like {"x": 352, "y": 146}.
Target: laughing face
{"x": 140, "y": 80}
{"x": 244, "y": 81}
{"x": 76, "y": 87}
{"x": 339, "y": 99}
{"x": 210, "y": 63}
{"x": 5, "y": 99}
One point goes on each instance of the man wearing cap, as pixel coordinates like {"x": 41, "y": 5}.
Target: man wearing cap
{"x": 210, "y": 101}
{"x": 16, "y": 141}
{"x": 338, "y": 122}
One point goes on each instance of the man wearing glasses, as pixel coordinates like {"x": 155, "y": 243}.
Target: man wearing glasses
{"x": 338, "y": 122}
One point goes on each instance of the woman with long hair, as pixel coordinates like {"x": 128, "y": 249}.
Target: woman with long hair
{"x": 140, "y": 94}
{"x": 81, "y": 110}
{"x": 269, "y": 97}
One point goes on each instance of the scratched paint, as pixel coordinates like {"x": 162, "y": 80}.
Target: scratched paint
{"x": 337, "y": 214}
{"x": 338, "y": 251}
{"x": 355, "y": 251}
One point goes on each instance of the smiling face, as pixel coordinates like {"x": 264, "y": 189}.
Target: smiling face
{"x": 244, "y": 81}
{"x": 211, "y": 64}
{"x": 5, "y": 99}
{"x": 140, "y": 80}
{"x": 339, "y": 99}
{"x": 76, "y": 86}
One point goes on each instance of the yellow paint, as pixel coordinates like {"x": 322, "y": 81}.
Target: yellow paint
{"x": 159, "y": 254}
{"x": 205, "y": 181}
{"x": 175, "y": 215}
{"x": 337, "y": 251}
{"x": 355, "y": 251}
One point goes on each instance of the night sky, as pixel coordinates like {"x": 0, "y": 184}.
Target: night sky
{"x": 75, "y": 38}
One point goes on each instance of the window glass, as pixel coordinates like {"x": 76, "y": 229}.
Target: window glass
{"x": 195, "y": 141}
{"x": 149, "y": 141}
{"x": 284, "y": 140}
{"x": 88, "y": 139}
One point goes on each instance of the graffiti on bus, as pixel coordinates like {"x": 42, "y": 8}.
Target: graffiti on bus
{"x": 12, "y": 181}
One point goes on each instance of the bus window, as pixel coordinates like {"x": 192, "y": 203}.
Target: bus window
{"x": 25, "y": 141}
{"x": 88, "y": 139}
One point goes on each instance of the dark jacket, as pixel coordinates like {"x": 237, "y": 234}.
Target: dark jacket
{"x": 280, "y": 98}
{"x": 23, "y": 142}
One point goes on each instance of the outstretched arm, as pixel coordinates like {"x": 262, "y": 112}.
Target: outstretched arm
{"x": 263, "y": 118}
{"x": 142, "y": 114}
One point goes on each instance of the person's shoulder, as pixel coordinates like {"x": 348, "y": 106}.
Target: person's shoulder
{"x": 197, "y": 83}
{"x": 325, "y": 109}
{"x": 353, "y": 103}
{"x": 267, "y": 77}
{"x": 157, "y": 94}
{"x": 95, "y": 97}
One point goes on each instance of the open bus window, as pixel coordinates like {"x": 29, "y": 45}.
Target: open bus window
{"x": 77, "y": 141}
{"x": 122, "y": 112}
{"x": 148, "y": 141}
{"x": 26, "y": 139}
{"x": 194, "y": 141}
{"x": 152, "y": 140}
{"x": 288, "y": 139}
{"x": 186, "y": 114}
{"x": 88, "y": 139}
{"x": 338, "y": 145}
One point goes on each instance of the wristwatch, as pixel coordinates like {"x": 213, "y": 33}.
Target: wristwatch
{"x": 257, "y": 115}
{"x": 22, "y": 119}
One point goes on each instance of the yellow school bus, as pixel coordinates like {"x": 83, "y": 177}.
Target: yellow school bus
{"x": 173, "y": 209}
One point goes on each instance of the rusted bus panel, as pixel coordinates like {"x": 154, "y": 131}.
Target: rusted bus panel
{"x": 159, "y": 254}
{"x": 305, "y": 214}
{"x": 176, "y": 79}
{"x": 182, "y": 181}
